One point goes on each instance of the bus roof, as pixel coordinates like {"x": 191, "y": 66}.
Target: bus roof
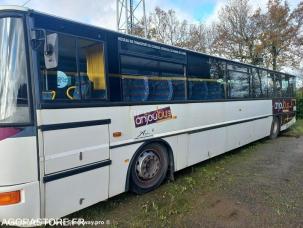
{"x": 13, "y": 8}
{"x": 25, "y": 9}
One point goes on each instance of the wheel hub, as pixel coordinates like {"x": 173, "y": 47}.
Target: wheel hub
{"x": 148, "y": 165}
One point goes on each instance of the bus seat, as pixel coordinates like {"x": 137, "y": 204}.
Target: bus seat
{"x": 198, "y": 90}
{"x": 135, "y": 89}
{"x": 215, "y": 91}
{"x": 179, "y": 90}
{"x": 161, "y": 90}
{"x": 86, "y": 88}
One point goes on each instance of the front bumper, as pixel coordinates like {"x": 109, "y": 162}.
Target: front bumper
{"x": 28, "y": 208}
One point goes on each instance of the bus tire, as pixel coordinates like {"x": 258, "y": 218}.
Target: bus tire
{"x": 275, "y": 128}
{"x": 149, "y": 168}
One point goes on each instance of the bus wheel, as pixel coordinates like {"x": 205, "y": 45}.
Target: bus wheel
{"x": 275, "y": 128}
{"x": 149, "y": 168}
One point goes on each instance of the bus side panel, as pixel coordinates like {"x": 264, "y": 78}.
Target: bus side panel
{"x": 62, "y": 148}
{"x": 239, "y": 135}
{"x": 198, "y": 148}
{"x": 262, "y": 128}
{"x": 247, "y": 132}
{"x": 242, "y": 134}
{"x": 180, "y": 151}
{"x": 18, "y": 160}
{"x": 216, "y": 141}
{"x": 210, "y": 143}
{"x": 74, "y": 193}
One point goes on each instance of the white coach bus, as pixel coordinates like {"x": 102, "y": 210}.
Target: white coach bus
{"x": 87, "y": 113}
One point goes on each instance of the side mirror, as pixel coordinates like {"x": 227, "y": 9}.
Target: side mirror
{"x": 51, "y": 51}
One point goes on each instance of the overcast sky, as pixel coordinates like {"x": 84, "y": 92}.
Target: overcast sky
{"x": 103, "y": 12}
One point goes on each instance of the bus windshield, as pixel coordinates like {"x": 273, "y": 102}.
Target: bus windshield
{"x": 14, "y": 105}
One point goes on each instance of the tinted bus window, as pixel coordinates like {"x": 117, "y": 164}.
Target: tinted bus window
{"x": 259, "y": 83}
{"x": 292, "y": 86}
{"x": 139, "y": 66}
{"x": 176, "y": 81}
{"x": 76, "y": 78}
{"x": 133, "y": 48}
{"x": 285, "y": 85}
{"x": 57, "y": 81}
{"x": 92, "y": 69}
{"x": 146, "y": 49}
{"x": 181, "y": 58}
{"x": 171, "y": 69}
{"x": 217, "y": 87}
{"x": 238, "y": 82}
{"x": 264, "y": 79}
{"x": 271, "y": 84}
{"x": 278, "y": 79}
{"x": 205, "y": 78}
{"x": 145, "y": 79}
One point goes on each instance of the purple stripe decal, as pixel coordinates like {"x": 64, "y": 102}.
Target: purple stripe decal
{"x": 8, "y": 132}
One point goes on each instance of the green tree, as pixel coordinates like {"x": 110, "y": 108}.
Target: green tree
{"x": 280, "y": 32}
{"x": 238, "y": 31}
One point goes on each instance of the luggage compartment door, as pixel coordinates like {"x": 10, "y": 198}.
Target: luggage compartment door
{"x": 76, "y": 157}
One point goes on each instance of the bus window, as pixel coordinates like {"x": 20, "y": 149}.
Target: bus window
{"x": 259, "y": 83}
{"x": 174, "y": 73}
{"x": 135, "y": 72}
{"x": 72, "y": 80}
{"x": 292, "y": 86}
{"x": 198, "y": 70}
{"x": 285, "y": 85}
{"x": 144, "y": 49}
{"x": 278, "y": 85}
{"x": 92, "y": 69}
{"x": 205, "y": 78}
{"x": 217, "y": 86}
{"x": 60, "y": 84}
{"x": 264, "y": 79}
{"x": 271, "y": 86}
{"x": 151, "y": 80}
{"x": 238, "y": 82}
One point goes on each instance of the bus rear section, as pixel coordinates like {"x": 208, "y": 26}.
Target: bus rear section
{"x": 284, "y": 112}
{"x": 19, "y": 186}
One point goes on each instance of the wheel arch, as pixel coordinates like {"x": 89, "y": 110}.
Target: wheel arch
{"x": 171, "y": 164}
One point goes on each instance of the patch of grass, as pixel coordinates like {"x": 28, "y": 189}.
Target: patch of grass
{"x": 296, "y": 130}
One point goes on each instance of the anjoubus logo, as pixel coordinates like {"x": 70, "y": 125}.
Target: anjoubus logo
{"x": 153, "y": 117}
{"x": 282, "y": 105}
